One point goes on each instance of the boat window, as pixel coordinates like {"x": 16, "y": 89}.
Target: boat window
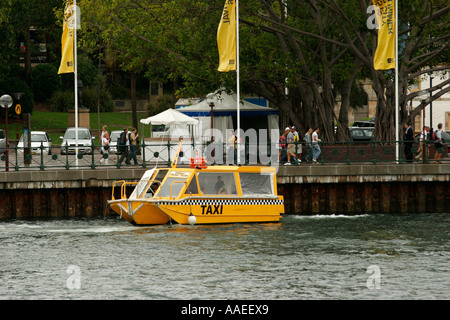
{"x": 142, "y": 185}
{"x": 151, "y": 190}
{"x": 256, "y": 183}
{"x": 161, "y": 175}
{"x": 173, "y": 184}
{"x": 176, "y": 183}
{"x": 217, "y": 182}
{"x": 149, "y": 183}
{"x": 192, "y": 188}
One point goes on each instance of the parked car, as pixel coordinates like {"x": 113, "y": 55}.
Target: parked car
{"x": 361, "y": 134}
{"x": 362, "y": 123}
{"x": 2, "y": 141}
{"x": 38, "y": 138}
{"x": 85, "y": 141}
{"x": 115, "y": 134}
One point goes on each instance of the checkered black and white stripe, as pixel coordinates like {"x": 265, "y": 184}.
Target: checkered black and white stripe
{"x": 226, "y": 202}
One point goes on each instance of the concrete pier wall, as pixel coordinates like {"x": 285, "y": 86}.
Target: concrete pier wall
{"x": 318, "y": 189}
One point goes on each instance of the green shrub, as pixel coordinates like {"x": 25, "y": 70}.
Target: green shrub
{"x": 61, "y": 101}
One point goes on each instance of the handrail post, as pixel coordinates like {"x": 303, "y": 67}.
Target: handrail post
{"x": 41, "y": 147}
{"x": 168, "y": 153}
{"x": 93, "y": 158}
{"x": 348, "y": 151}
{"x": 17, "y": 164}
{"x": 374, "y": 152}
{"x": 144, "y": 165}
{"x": 67, "y": 156}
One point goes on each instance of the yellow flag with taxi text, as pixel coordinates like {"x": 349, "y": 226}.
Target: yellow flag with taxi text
{"x": 226, "y": 37}
{"x": 67, "y": 40}
{"x": 384, "y": 57}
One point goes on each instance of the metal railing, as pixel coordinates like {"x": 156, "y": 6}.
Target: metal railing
{"x": 162, "y": 153}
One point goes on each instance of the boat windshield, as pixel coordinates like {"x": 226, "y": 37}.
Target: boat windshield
{"x": 173, "y": 184}
{"x": 155, "y": 183}
{"x": 148, "y": 184}
{"x": 256, "y": 183}
{"x": 217, "y": 182}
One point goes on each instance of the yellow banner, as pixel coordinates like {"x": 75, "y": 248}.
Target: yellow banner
{"x": 384, "y": 57}
{"x": 67, "y": 41}
{"x": 226, "y": 37}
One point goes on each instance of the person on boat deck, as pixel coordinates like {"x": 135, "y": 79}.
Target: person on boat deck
{"x": 154, "y": 187}
{"x": 219, "y": 184}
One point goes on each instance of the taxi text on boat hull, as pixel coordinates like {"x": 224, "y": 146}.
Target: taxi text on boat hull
{"x": 200, "y": 195}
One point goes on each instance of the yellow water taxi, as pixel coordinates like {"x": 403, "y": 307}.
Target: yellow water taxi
{"x": 200, "y": 194}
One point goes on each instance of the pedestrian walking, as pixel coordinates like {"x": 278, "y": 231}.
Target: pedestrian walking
{"x": 100, "y": 139}
{"x": 298, "y": 144}
{"x": 290, "y": 147}
{"x": 105, "y": 148}
{"x": 133, "y": 144}
{"x": 408, "y": 140}
{"x": 308, "y": 142}
{"x": 438, "y": 144}
{"x": 422, "y": 151}
{"x": 123, "y": 146}
{"x": 282, "y": 146}
{"x": 315, "y": 144}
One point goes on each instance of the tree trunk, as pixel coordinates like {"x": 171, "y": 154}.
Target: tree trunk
{"x": 134, "y": 99}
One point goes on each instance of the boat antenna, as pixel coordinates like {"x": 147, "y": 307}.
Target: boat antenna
{"x": 175, "y": 158}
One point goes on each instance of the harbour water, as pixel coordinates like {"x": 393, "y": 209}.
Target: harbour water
{"x": 303, "y": 257}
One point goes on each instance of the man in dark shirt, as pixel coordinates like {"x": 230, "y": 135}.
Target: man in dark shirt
{"x": 408, "y": 140}
{"x": 123, "y": 146}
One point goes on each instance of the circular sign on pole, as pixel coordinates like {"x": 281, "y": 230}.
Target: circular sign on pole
{"x": 6, "y": 101}
{"x": 18, "y": 109}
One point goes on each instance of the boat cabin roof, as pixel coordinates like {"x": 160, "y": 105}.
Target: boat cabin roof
{"x": 213, "y": 181}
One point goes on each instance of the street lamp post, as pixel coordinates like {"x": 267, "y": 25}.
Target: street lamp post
{"x": 210, "y": 99}
{"x": 18, "y": 95}
{"x": 6, "y": 102}
{"x": 431, "y": 103}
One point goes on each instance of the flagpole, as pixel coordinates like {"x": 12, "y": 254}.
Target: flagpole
{"x": 397, "y": 138}
{"x": 238, "y": 85}
{"x": 75, "y": 26}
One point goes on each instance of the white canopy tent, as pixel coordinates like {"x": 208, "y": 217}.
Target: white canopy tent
{"x": 178, "y": 124}
{"x": 168, "y": 117}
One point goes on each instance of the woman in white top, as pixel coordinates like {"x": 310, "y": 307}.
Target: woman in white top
{"x": 105, "y": 147}
{"x": 315, "y": 144}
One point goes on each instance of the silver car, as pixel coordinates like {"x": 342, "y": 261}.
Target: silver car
{"x": 115, "y": 134}
{"x": 85, "y": 141}
{"x": 38, "y": 139}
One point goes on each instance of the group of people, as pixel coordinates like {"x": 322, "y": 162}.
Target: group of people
{"x": 290, "y": 149}
{"x": 425, "y": 136}
{"x": 126, "y": 145}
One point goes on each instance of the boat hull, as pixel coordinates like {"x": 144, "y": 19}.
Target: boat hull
{"x": 206, "y": 211}
{"x": 139, "y": 213}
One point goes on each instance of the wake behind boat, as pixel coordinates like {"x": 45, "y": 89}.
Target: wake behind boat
{"x": 201, "y": 194}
